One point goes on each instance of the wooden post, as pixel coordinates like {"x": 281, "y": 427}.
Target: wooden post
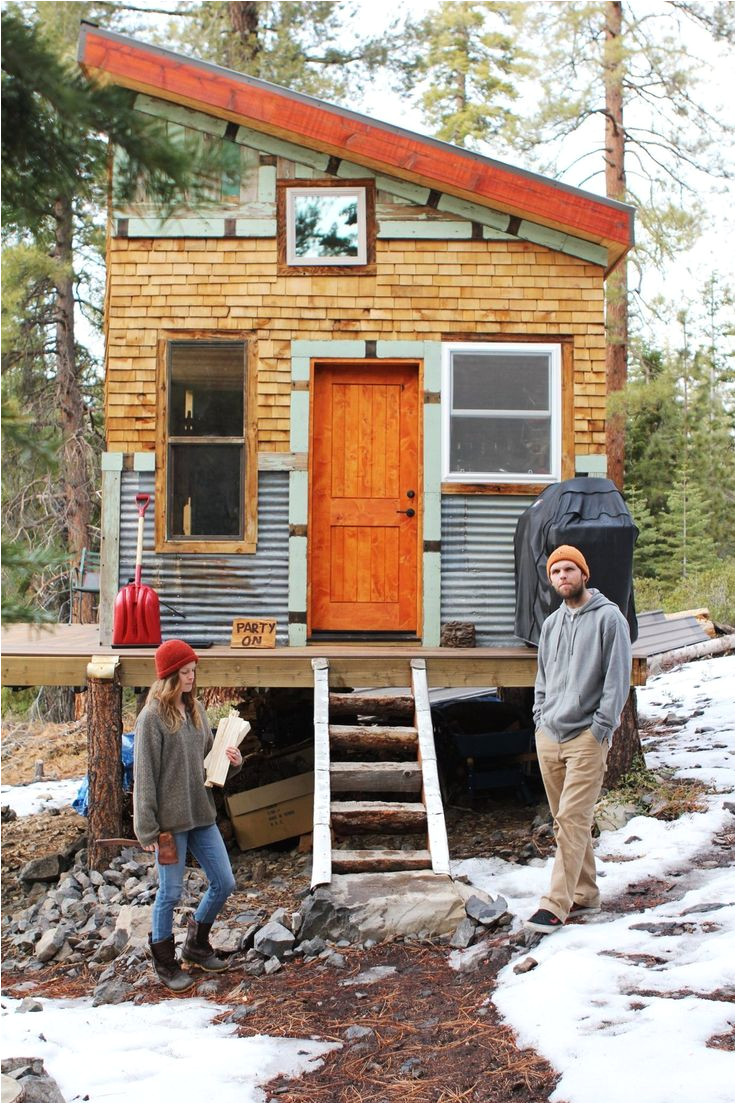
{"x": 104, "y": 747}
{"x": 626, "y": 744}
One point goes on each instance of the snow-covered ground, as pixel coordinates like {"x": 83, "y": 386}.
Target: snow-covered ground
{"x": 592, "y": 1006}
{"x": 39, "y": 796}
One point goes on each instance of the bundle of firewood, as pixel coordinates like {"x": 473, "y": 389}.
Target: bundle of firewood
{"x": 231, "y": 732}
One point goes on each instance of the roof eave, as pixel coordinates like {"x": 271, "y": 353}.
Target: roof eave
{"x": 382, "y": 147}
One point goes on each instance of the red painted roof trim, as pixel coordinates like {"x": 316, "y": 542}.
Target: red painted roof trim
{"x": 381, "y": 146}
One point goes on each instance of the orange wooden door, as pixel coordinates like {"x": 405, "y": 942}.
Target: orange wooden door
{"x": 364, "y": 546}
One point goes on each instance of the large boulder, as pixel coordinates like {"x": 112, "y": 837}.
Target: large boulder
{"x": 358, "y": 907}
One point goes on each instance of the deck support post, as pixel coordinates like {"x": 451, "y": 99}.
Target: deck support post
{"x": 104, "y": 746}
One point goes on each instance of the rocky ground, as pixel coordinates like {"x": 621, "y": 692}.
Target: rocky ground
{"x": 434, "y": 1036}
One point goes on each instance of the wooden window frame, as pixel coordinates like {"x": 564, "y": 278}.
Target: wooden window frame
{"x": 515, "y": 486}
{"x": 368, "y": 186}
{"x": 207, "y": 545}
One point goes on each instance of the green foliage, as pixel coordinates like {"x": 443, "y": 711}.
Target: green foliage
{"x": 460, "y": 63}
{"x": 711, "y": 589}
{"x": 56, "y": 127}
{"x": 294, "y": 44}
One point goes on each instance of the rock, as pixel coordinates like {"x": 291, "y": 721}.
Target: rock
{"x": 7, "y": 814}
{"x": 486, "y": 913}
{"x": 525, "y": 965}
{"x": 45, "y": 869}
{"x": 379, "y": 906}
{"x": 25, "y": 1079}
{"x": 609, "y": 816}
{"x": 280, "y": 916}
{"x": 370, "y": 976}
{"x": 135, "y": 922}
{"x": 356, "y": 1034}
{"x": 337, "y": 961}
{"x": 271, "y": 965}
{"x": 115, "y": 991}
{"x": 11, "y": 1089}
{"x": 227, "y": 940}
{"x": 464, "y": 932}
{"x": 465, "y": 961}
{"x": 51, "y": 943}
{"x": 273, "y": 940}
{"x": 310, "y": 948}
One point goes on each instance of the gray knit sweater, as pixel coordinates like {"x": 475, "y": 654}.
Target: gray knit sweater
{"x": 169, "y": 794}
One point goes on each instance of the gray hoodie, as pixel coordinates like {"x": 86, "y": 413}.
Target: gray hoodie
{"x": 583, "y": 670}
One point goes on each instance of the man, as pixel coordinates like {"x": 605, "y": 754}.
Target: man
{"x": 583, "y": 676}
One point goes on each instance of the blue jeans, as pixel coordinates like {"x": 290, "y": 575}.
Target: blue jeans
{"x": 208, "y": 848}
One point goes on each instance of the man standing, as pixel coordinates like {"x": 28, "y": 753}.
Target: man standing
{"x": 583, "y": 677}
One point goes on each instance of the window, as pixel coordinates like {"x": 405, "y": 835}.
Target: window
{"x": 326, "y": 226}
{"x": 501, "y": 412}
{"x": 207, "y": 485}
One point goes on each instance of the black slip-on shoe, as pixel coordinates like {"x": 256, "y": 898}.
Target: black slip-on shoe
{"x": 543, "y": 921}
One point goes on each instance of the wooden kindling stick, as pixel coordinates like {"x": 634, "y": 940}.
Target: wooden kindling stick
{"x": 231, "y": 731}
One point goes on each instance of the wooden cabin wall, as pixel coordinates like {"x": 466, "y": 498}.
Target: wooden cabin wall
{"x": 422, "y": 290}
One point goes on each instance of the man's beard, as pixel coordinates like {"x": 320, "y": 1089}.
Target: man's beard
{"x": 574, "y": 593}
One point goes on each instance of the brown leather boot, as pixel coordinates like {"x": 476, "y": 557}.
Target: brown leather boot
{"x": 197, "y": 948}
{"x": 166, "y": 966}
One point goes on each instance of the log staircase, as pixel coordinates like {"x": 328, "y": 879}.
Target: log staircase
{"x": 395, "y": 762}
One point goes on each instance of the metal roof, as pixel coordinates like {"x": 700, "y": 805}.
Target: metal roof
{"x": 658, "y": 633}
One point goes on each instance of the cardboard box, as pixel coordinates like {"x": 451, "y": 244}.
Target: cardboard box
{"x": 274, "y": 812}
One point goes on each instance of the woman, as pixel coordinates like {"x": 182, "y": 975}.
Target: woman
{"x": 172, "y": 737}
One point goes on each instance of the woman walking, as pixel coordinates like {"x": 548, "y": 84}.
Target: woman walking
{"x": 172, "y": 737}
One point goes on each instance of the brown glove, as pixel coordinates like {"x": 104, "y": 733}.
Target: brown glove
{"x": 167, "y": 849}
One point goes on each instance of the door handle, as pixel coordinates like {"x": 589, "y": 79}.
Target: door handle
{"x": 409, "y": 512}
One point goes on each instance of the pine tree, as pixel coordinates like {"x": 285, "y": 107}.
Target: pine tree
{"x": 311, "y": 46}
{"x": 55, "y": 151}
{"x": 459, "y": 63}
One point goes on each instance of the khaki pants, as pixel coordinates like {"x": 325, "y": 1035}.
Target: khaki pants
{"x": 572, "y": 773}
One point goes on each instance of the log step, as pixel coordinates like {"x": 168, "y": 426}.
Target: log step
{"x": 346, "y": 862}
{"x": 351, "y": 705}
{"x": 378, "y": 816}
{"x": 403, "y": 777}
{"x": 373, "y": 738}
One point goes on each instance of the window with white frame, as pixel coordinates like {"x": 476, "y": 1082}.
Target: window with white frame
{"x": 326, "y": 226}
{"x": 501, "y": 412}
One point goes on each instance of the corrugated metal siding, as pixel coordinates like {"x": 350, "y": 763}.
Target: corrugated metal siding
{"x": 212, "y": 590}
{"x": 478, "y": 563}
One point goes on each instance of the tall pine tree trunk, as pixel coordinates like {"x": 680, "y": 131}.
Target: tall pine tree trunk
{"x": 617, "y": 323}
{"x": 76, "y": 491}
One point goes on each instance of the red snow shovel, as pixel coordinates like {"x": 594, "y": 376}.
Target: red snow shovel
{"x": 136, "y": 617}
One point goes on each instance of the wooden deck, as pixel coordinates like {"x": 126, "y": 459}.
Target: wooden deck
{"x": 58, "y": 656}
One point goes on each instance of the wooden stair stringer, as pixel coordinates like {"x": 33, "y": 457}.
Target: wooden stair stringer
{"x": 403, "y": 777}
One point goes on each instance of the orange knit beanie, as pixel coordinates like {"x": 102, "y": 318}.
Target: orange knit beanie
{"x": 574, "y": 555}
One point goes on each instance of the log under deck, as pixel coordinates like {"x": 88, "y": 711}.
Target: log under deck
{"x": 58, "y": 656}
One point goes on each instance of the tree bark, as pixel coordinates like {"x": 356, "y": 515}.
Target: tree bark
{"x": 244, "y": 20}
{"x": 104, "y": 765}
{"x": 617, "y": 319}
{"x": 626, "y": 745}
{"x": 75, "y": 483}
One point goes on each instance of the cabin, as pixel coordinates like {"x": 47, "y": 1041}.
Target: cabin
{"x": 342, "y": 371}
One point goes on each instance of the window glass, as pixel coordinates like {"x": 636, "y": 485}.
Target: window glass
{"x": 326, "y": 226}
{"x": 206, "y": 490}
{"x": 206, "y": 439}
{"x": 501, "y": 412}
{"x": 504, "y": 382}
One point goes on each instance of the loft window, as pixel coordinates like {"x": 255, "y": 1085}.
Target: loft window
{"x": 206, "y": 466}
{"x": 324, "y": 226}
{"x": 501, "y": 413}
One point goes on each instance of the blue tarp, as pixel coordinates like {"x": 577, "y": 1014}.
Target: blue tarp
{"x": 81, "y": 801}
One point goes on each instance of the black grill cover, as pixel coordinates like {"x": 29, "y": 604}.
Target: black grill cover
{"x": 591, "y": 515}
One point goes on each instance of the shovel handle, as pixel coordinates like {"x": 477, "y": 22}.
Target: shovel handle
{"x": 142, "y": 501}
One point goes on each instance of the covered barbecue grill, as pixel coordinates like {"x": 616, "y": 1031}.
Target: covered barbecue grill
{"x": 589, "y": 513}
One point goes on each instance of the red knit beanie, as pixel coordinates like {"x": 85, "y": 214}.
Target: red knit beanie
{"x": 172, "y": 656}
{"x": 574, "y": 555}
